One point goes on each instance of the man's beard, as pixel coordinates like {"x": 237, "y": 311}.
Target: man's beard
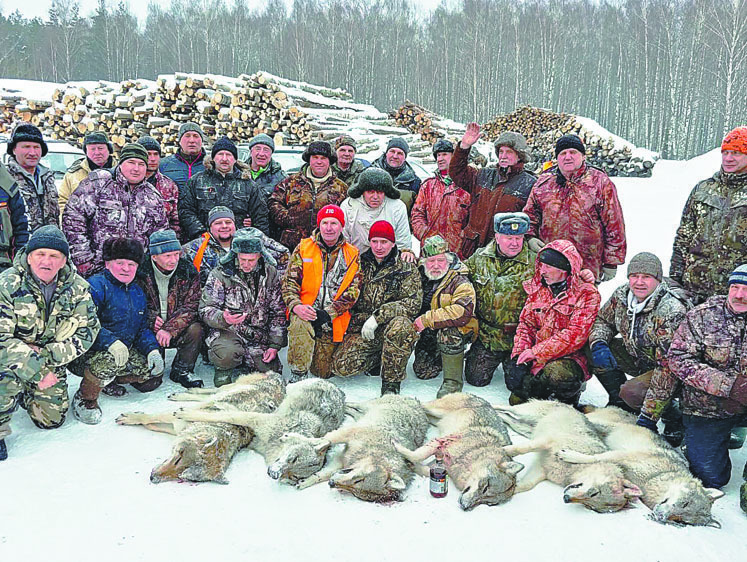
{"x": 432, "y": 276}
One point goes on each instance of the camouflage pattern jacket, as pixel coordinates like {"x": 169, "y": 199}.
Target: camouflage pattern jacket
{"x": 710, "y": 240}
{"x": 63, "y": 334}
{"x": 349, "y": 176}
{"x": 708, "y": 353}
{"x": 14, "y": 229}
{"x": 42, "y": 207}
{"x": 170, "y": 193}
{"x": 257, "y": 293}
{"x": 583, "y": 209}
{"x": 105, "y": 206}
{"x": 453, "y": 302}
{"x": 441, "y": 209}
{"x": 557, "y": 327}
{"x": 76, "y": 173}
{"x": 498, "y": 282}
{"x": 388, "y": 289}
{"x": 180, "y": 169}
{"x": 295, "y": 203}
{"x": 183, "y": 299}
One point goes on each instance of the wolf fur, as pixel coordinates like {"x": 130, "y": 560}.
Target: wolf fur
{"x": 472, "y": 445}
{"x": 551, "y": 427}
{"x": 669, "y": 490}
{"x": 369, "y": 467}
{"x": 203, "y": 451}
{"x": 311, "y": 408}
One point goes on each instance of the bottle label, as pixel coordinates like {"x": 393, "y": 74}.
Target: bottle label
{"x": 438, "y": 486}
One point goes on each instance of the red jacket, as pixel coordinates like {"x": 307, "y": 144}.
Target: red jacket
{"x": 441, "y": 209}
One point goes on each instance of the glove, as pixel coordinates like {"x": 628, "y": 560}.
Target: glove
{"x": 601, "y": 356}
{"x": 514, "y": 375}
{"x": 66, "y": 329}
{"x": 119, "y": 351}
{"x": 535, "y": 244}
{"x": 322, "y": 318}
{"x": 369, "y": 328}
{"x": 739, "y": 390}
{"x": 608, "y": 273}
{"x": 644, "y": 421}
{"x": 155, "y": 362}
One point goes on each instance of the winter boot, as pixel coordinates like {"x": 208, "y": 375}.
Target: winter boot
{"x": 612, "y": 381}
{"x": 374, "y": 371}
{"x": 296, "y": 376}
{"x": 3, "y": 450}
{"x": 389, "y": 387}
{"x": 184, "y": 377}
{"x": 674, "y": 430}
{"x": 515, "y": 400}
{"x": 149, "y": 385}
{"x": 743, "y": 497}
{"x": 85, "y": 402}
{"x": 222, "y": 377}
{"x": 114, "y": 389}
{"x": 453, "y": 366}
{"x": 737, "y": 437}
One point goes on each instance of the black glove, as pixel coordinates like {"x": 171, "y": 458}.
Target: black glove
{"x": 322, "y": 319}
{"x": 514, "y": 375}
{"x": 644, "y": 421}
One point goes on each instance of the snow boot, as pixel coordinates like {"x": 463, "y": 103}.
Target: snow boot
{"x": 86, "y": 401}
{"x": 389, "y": 387}
{"x": 296, "y": 376}
{"x": 148, "y": 385}
{"x": 743, "y": 497}
{"x": 736, "y": 440}
{"x": 222, "y": 377}
{"x": 674, "y": 430}
{"x": 453, "y": 366}
{"x": 114, "y": 389}
{"x": 515, "y": 399}
{"x": 184, "y": 377}
{"x": 612, "y": 381}
{"x": 3, "y": 450}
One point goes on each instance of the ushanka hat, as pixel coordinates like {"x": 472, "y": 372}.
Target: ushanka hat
{"x": 123, "y": 249}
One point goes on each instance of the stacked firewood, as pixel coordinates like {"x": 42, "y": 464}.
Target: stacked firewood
{"x": 427, "y": 124}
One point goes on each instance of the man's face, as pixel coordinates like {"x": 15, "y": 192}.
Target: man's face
{"x": 222, "y": 229}
{"x": 552, "y": 274}
{"x": 319, "y": 165}
{"x": 569, "y": 160}
{"x": 45, "y": 263}
{"x": 436, "y": 266}
{"x": 224, "y": 162}
{"x": 154, "y": 159}
{"x": 191, "y": 143}
{"x": 395, "y": 157}
{"x": 167, "y": 261}
{"x": 123, "y": 270}
{"x": 738, "y": 297}
{"x": 443, "y": 159}
{"x": 247, "y": 262}
{"x": 509, "y": 244}
{"x": 507, "y": 156}
{"x": 345, "y": 156}
{"x": 134, "y": 170}
{"x": 642, "y": 285}
{"x": 733, "y": 162}
{"x": 98, "y": 153}
{"x": 261, "y": 156}
{"x": 380, "y": 247}
{"x": 330, "y": 230}
{"x": 373, "y": 199}
{"x": 27, "y": 154}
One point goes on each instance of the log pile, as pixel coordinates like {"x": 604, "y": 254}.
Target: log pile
{"x": 427, "y": 124}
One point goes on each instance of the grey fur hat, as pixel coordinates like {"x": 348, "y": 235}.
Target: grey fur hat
{"x": 442, "y": 145}
{"x": 516, "y": 142}
{"x": 511, "y": 223}
{"x": 374, "y": 179}
{"x": 248, "y": 241}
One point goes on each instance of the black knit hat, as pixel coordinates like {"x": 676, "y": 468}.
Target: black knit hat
{"x": 133, "y": 150}
{"x": 224, "y": 143}
{"x": 322, "y": 148}
{"x": 374, "y": 179}
{"x": 50, "y": 237}
{"x": 443, "y": 145}
{"x": 569, "y": 141}
{"x": 149, "y": 143}
{"x": 27, "y": 133}
{"x": 98, "y": 137}
{"x": 398, "y": 142}
{"x": 123, "y": 249}
{"x": 552, "y": 257}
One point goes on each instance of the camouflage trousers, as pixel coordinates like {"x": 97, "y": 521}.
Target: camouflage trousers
{"x": 432, "y": 343}
{"x": 228, "y": 351}
{"x": 104, "y": 371}
{"x": 308, "y": 353}
{"x": 46, "y": 408}
{"x": 560, "y": 379}
{"x": 481, "y": 363}
{"x": 390, "y": 349}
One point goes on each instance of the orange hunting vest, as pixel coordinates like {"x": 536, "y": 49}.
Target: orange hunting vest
{"x": 311, "y": 255}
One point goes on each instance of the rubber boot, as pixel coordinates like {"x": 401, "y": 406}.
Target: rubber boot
{"x": 389, "y": 387}
{"x": 453, "y": 367}
{"x": 743, "y": 497}
{"x": 85, "y": 402}
{"x": 612, "y": 381}
{"x": 515, "y": 400}
{"x": 114, "y": 389}
{"x": 674, "y": 429}
{"x": 3, "y": 450}
{"x": 222, "y": 377}
{"x": 149, "y": 385}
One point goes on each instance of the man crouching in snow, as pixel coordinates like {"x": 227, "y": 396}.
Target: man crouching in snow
{"x": 47, "y": 319}
{"x": 126, "y": 350}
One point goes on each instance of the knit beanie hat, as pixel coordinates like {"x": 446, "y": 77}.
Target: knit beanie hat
{"x": 190, "y": 126}
{"x": 569, "y": 141}
{"x": 133, "y": 150}
{"x": 330, "y": 211}
{"x": 511, "y": 223}
{"x": 321, "y": 148}
{"x": 149, "y": 143}
{"x": 26, "y": 132}
{"x": 736, "y": 140}
{"x": 739, "y": 275}
{"x": 224, "y": 143}
{"x": 553, "y": 257}
{"x": 261, "y": 139}
{"x": 123, "y": 249}
{"x": 345, "y": 140}
{"x": 433, "y": 246}
{"x": 516, "y": 142}
{"x": 442, "y": 145}
{"x": 220, "y": 212}
{"x": 163, "y": 241}
{"x": 398, "y": 142}
{"x": 49, "y": 237}
{"x": 381, "y": 229}
{"x": 646, "y": 263}
{"x": 98, "y": 137}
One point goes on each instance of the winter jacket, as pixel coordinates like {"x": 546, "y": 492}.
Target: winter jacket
{"x": 183, "y": 298}
{"x": 349, "y": 176}
{"x": 106, "y": 206}
{"x": 180, "y": 168}
{"x": 210, "y": 189}
{"x": 39, "y": 193}
{"x": 359, "y": 217}
{"x": 404, "y": 177}
{"x": 14, "y": 228}
{"x": 122, "y": 310}
{"x": 441, "y": 208}
{"x": 710, "y": 241}
{"x": 76, "y": 173}
{"x": 453, "y": 302}
{"x": 295, "y": 203}
{"x": 64, "y": 334}
{"x": 257, "y": 293}
{"x": 388, "y": 289}
{"x": 557, "y": 327}
{"x": 493, "y": 190}
{"x": 708, "y": 353}
{"x": 266, "y": 181}
{"x": 498, "y": 282}
{"x": 583, "y": 209}
{"x": 170, "y": 193}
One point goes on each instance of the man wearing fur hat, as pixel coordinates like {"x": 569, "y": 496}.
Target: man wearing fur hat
{"x": 125, "y": 350}
{"x": 242, "y": 305}
{"x": 14, "y": 227}
{"x": 296, "y": 201}
{"x": 498, "y": 272}
{"x": 713, "y": 229}
{"x": 577, "y": 202}
{"x": 442, "y": 207}
{"x": 503, "y": 188}
{"x": 99, "y": 154}
{"x": 35, "y": 182}
{"x": 226, "y": 181}
{"x": 165, "y": 186}
{"x": 47, "y": 319}
{"x": 394, "y": 163}
{"x": 381, "y": 335}
{"x": 189, "y": 157}
{"x": 112, "y": 203}
{"x": 446, "y": 321}
{"x": 172, "y": 289}
{"x": 373, "y": 198}
{"x": 347, "y": 168}
{"x": 320, "y": 287}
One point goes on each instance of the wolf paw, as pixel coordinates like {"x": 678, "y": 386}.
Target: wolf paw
{"x": 129, "y": 418}
{"x": 306, "y": 482}
{"x": 567, "y": 455}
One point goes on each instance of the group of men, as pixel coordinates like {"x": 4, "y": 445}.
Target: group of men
{"x": 209, "y": 255}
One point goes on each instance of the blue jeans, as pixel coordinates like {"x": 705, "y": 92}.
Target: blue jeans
{"x": 707, "y": 441}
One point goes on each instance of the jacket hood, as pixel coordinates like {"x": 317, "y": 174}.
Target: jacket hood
{"x": 241, "y": 169}
{"x": 566, "y": 248}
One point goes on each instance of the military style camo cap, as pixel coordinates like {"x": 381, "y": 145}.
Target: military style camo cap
{"x": 434, "y": 246}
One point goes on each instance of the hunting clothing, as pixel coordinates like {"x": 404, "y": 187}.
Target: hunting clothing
{"x": 14, "y": 229}
{"x": 39, "y": 192}
{"x": 76, "y": 173}
{"x": 349, "y": 176}
{"x": 170, "y": 193}
{"x": 441, "y": 207}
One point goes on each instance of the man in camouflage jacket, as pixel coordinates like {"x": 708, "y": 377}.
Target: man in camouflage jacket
{"x": 47, "y": 319}
{"x": 347, "y": 168}
{"x": 163, "y": 184}
{"x": 381, "y": 335}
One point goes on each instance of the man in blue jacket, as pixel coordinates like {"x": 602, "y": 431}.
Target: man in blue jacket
{"x": 14, "y": 225}
{"x": 188, "y": 158}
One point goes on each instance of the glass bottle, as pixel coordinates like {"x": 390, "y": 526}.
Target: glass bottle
{"x": 439, "y": 479}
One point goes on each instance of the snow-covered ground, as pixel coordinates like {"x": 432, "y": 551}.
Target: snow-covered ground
{"x": 82, "y": 493}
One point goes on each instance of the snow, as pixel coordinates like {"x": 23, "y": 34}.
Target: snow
{"x": 619, "y": 142}
{"x": 28, "y": 89}
{"x": 82, "y": 493}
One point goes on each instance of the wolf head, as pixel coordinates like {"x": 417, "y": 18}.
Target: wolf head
{"x": 687, "y": 503}
{"x": 299, "y": 457}
{"x": 369, "y": 481}
{"x": 194, "y": 460}
{"x": 492, "y": 484}
{"x": 603, "y": 495}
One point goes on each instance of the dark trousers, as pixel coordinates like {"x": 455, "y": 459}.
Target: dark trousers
{"x": 707, "y": 442}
